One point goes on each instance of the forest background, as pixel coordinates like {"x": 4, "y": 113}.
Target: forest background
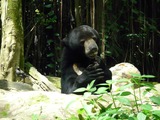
{"x": 129, "y": 31}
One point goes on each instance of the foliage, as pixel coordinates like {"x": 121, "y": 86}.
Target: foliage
{"x": 125, "y": 103}
{"x": 4, "y": 111}
{"x": 42, "y": 45}
{"x": 48, "y": 18}
{"x": 129, "y": 32}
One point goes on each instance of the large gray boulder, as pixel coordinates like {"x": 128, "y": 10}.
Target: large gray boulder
{"x": 42, "y": 105}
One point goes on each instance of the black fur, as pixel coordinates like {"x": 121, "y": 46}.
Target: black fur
{"x": 73, "y": 53}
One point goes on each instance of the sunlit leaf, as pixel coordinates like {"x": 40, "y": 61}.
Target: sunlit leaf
{"x": 101, "y": 90}
{"x": 146, "y": 107}
{"x": 141, "y": 116}
{"x": 89, "y": 86}
{"x": 155, "y": 99}
{"x": 124, "y": 101}
{"x": 80, "y": 111}
{"x": 80, "y": 90}
{"x": 93, "y": 89}
{"x": 132, "y": 118}
{"x": 88, "y": 108}
{"x": 156, "y": 112}
{"x": 147, "y": 84}
{"x": 110, "y": 82}
{"x": 112, "y": 111}
{"x": 148, "y": 76}
{"x": 87, "y": 94}
{"x": 126, "y": 86}
{"x": 71, "y": 102}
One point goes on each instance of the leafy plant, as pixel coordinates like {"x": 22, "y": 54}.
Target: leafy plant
{"x": 126, "y": 103}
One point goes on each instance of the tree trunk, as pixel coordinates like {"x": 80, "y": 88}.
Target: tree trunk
{"x": 103, "y": 32}
{"x": 92, "y": 9}
{"x": 78, "y": 12}
{"x": 100, "y": 24}
{"x": 11, "y": 54}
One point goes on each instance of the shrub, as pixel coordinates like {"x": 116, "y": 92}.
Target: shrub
{"x": 131, "y": 104}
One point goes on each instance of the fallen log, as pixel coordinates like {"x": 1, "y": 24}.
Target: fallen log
{"x": 37, "y": 80}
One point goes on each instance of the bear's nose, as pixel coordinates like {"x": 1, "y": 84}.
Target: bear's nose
{"x": 93, "y": 49}
{"x": 93, "y": 52}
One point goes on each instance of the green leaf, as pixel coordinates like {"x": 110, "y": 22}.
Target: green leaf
{"x": 112, "y": 111}
{"x": 147, "y": 84}
{"x": 50, "y": 65}
{"x": 51, "y": 13}
{"x": 126, "y": 93}
{"x": 109, "y": 82}
{"x": 132, "y": 118}
{"x": 49, "y": 41}
{"x": 141, "y": 116}
{"x": 147, "y": 107}
{"x": 124, "y": 101}
{"x": 148, "y": 76}
{"x": 103, "y": 108}
{"x": 135, "y": 75}
{"x": 88, "y": 108}
{"x": 50, "y": 55}
{"x": 121, "y": 80}
{"x": 156, "y": 112}
{"x": 126, "y": 86}
{"x": 89, "y": 86}
{"x": 49, "y": 27}
{"x": 134, "y": 1}
{"x": 48, "y": 6}
{"x": 71, "y": 103}
{"x": 80, "y": 117}
{"x": 56, "y": 34}
{"x": 93, "y": 89}
{"x": 37, "y": 11}
{"x": 81, "y": 111}
{"x": 146, "y": 91}
{"x": 155, "y": 99}
{"x": 135, "y": 11}
{"x": 101, "y": 90}
{"x": 102, "y": 84}
{"x": 80, "y": 90}
{"x": 87, "y": 94}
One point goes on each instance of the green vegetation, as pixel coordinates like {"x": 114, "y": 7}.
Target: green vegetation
{"x": 4, "y": 111}
{"x": 129, "y": 31}
{"x": 126, "y": 103}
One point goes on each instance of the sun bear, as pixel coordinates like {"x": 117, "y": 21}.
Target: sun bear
{"x": 80, "y": 61}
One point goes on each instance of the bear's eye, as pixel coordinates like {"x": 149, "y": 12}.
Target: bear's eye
{"x": 82, "y": 41}
{"x": 94, "y": 38}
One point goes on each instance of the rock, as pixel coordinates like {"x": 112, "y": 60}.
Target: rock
{"x": 37, "y": 104}
{"x": 47, "y": 105}
{"x": 56, "y": 81}
{"x": 43, "y": 105}
{"x": 121, "y": 71}
{"x": 16, "y": 86}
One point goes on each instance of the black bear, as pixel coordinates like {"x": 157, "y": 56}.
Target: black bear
{"x": 80, "y": 62}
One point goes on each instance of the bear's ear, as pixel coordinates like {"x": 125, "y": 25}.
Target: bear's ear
{"x": 65, "y": 41}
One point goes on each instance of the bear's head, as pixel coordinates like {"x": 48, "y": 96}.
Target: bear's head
{"x": 83, "y": 39}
